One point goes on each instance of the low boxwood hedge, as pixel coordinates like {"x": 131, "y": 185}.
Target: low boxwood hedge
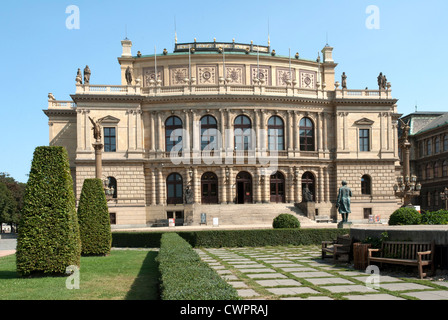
{"x": 230, "y": 238}
{"x": 183, "y": 276}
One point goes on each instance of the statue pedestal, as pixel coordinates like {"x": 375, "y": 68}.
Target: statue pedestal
{"x": 309, "y": 208}
{"x": 344, "y": 225}
{"x": 98, "y": 146}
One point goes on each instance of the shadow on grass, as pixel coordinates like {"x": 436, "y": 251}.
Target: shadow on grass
{"x": 146, "y": 285}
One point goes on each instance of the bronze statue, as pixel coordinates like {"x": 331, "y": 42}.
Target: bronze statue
{"x": 96, "y": 129}
{"x": 307, "y": 195}
{"x": 382, "y": 81}
{"x": 128, "y": 75}
{"x": 188, "y": 196}
{"x": 344, "y": 81}
{"x": 404, "y": 130}
{"x": 343, "y": 202}
{"x": 87, "y": 75}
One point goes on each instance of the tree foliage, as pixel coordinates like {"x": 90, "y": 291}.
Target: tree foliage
{"x": 94, "y": 221}
{"x": 48, "y": 238}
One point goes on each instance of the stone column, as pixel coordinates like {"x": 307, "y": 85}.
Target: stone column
{"x": 223, "y": 187}
{"x": 295, "y": 125}
{"x": 98, "y": 146}
{"x": 153, "y": 186}
{"x": 320, "y": 180}
{"x": 153, "y": 131}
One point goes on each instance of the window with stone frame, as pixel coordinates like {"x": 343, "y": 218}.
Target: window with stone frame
{"x": 110, "y": 139}
{"x": 209, "y": 134}
{"x": 306, "y": 133}
{"x": 445, "y": 142}
{"x": 366, "y": 185}
{"x": 276, "y": 139}
{"x": 436, "y": 145}
{"x": 243, "y": 133}
{"x": 428, "y": 147}
{"x": 445, "y": 168}
{"x": 364, "y": 140}
{"x": 173, "y": 133}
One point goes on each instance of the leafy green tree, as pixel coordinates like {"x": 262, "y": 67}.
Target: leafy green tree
{"x": 17, "y": 190}
{"x": 94, "y": 220}
{"x": 48, "y": 238}
{"x": 7, "y": 204}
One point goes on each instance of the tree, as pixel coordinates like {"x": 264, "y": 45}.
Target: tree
{"x": 94, "y": 221}
{"x": 48, "y": 238}
{"x": 17, "y": 190}
{"x": 7, "y": 204}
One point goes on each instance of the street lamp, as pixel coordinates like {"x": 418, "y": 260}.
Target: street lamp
{"x": 407, "y": 186}
{"x": 444, "y": 196}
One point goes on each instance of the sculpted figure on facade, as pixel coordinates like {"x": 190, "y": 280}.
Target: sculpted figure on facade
{"x": 96, "y": 129}
{"x": 128, "y": 76}
{"x": 343, "y": 202}
{"x": 87, "y": 75}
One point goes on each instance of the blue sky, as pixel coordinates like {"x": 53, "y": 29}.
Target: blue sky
{"x": 39, "y": 54}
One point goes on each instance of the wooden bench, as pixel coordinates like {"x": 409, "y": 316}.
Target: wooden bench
{"x": 405, "y": 253}
{"x": 341, "y": 246}
{"x": 322, "y": 219}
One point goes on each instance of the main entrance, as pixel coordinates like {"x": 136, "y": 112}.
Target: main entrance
{"x": 209, "y": 188}
{"x": 243, "y": 188}
{"x": 277, "y": 187}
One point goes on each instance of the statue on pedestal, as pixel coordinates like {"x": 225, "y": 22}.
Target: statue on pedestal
{"x": 79, "y": 77}
{"x": 344, "y": 81}
{"x": 307, "y": 195}
{"x": 189, "y": 196}
{"x": 343, "y": 202}
{"x": 87, "y": 75}
{"x": 96, "y": 129}
{"x": 128, "y": 76}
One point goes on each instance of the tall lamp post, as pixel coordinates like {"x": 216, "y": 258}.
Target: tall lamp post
{"x": 444, "y": 196}
{"x": 407, "y": 186}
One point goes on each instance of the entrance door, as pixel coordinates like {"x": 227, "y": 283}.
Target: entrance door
{"x": 277, "y": 187}
{"x": 244, "y": 187}
{"x": 209, "y": 188}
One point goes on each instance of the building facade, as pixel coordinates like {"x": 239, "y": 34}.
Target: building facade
{"x": 429, "y": 156}
{"x": 230, "y": 131}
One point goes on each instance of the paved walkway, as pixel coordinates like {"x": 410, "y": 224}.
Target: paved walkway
{"x": 299, "y": 273}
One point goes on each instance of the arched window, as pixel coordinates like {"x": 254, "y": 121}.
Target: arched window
{"x": 366, "y": 185}
{"x": 112, "y": 184}
{"x": 429, "y": 173}
{"x": 306, "y": 131}
{"x": 308, "y": 182}
{"x": 445, "y": 168}
{"x": 276, "y": 140}
{"x": 209, "y": 133}
{"x": 428, "y": 147}
{"x": 174, "y": 189}
{"x": 173, "y": 133}
{"x": 445, "y": 142}
{"x": 436, "y": 169}
{"x": 437, "y": 145}
{"x": 243, "y": 133}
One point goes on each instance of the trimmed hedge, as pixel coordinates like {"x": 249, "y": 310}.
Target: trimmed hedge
{"x": 435, "y": 217}
{"x": 94, "y": 220}
{"x": 230, "y": 238}
{"x": 285, "y": 221}
{"x": 48, "y": 236}
{"x": 404, "y": 216}
{"x": 185, "y": 277}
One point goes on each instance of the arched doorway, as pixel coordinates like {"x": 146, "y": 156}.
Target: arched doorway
{"x": 308, "y": 181}
{"x": 243, "y": 187}
{"x": 209, "y": 188}
{"x": 277, "y": 187}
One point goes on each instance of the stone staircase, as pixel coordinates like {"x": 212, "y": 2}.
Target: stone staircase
{"x": 247, "y": 214}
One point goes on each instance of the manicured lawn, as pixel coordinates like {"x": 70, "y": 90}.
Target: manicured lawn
{"x": 123, "y": 275}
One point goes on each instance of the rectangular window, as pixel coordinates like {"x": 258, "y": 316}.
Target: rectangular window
{"x": 367, "y": 212}
{"x": 113, "y": 218}
{"x": 364, "y": 140}
{"x": 110, "y": 143}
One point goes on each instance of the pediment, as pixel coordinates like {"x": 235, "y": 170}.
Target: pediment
{"x": 364, "y": 121}
{"x": 109, "y": 119}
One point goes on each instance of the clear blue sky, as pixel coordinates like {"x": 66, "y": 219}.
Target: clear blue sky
{"x": 40, "y": 55}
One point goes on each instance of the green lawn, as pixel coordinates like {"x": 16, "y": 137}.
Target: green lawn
{"x": 123, "y": 275}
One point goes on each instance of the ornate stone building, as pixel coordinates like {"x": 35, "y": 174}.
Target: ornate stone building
{"x": 233, "y": 131}
{"x": 429, "y": 156}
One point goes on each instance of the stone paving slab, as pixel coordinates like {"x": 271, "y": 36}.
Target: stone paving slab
{"x": 324, "y": 281}
{"x": 257, "y": 270}
{"x": 291, "y": 291}
{"x": 238, "y": 284}
{"x": 429, "y": 295}
{"x": 349, "y": 288}
{"x": 266, "y": 276}
{"x": 311, "y": 274}
{"x": 309, "y": 298}
{"x": 381, "y": 279}
{"x": 403, "y": 286}
{"x": 247, "y": 293}
{"x": 379, "y": 296}
{"x": 278, "y": 283}
{"x": 299, "y": 269}
{"x": 246, "y": 266}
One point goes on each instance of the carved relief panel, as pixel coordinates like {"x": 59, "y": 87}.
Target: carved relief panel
{"x": 235, "y": 74}
{"x": 207, "y": 74}
{"x": 283, "y": 74}
{"x": 150, "y": 73}
{"x": 264, "y": 73}
{"x": 178, "y": 74}
{"x": 307, "y": 79}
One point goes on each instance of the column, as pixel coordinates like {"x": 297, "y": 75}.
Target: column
{"x": 161, "y": 194}
{"x": 186, "y": 133}
{"x": 262, "y": 126}
{"x": 327, "y": 185}
{"x": 153, "y": 186}
{"x": 320, "y": 182}
{"x": 131, "y": 132}
{"x": 297, "y": 185}
{"x": 222, "y": 187}
{"x": 230, "y": 185}
{"x": 152, "y": 128}
{"x": 295, "y": 125}
{"x": 222, "y": 128}
{"x": 160, "y": 132}
{"x": 319, "y": 131}
{"x": 258, "y": 186}
{"x": 290, "y": 190}
{"x": 196, "y": 185}
{"x": 324, "y": 131}
{"x": 138, "y": 129}
{"x": 290, "y": 139}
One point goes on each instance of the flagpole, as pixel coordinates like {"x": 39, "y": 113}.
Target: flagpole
{"x": 189, "y": 63}
{"x": 224, "y": 62}
{"x": 155, "y": 63}
{"x": 290, "y": 73}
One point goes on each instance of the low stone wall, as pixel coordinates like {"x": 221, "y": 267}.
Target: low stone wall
{"x": 438, "y": 233}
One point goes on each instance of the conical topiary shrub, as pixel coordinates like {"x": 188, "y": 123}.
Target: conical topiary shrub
{"x": 94, "y": 221}
{"x": 48, "y": 236}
